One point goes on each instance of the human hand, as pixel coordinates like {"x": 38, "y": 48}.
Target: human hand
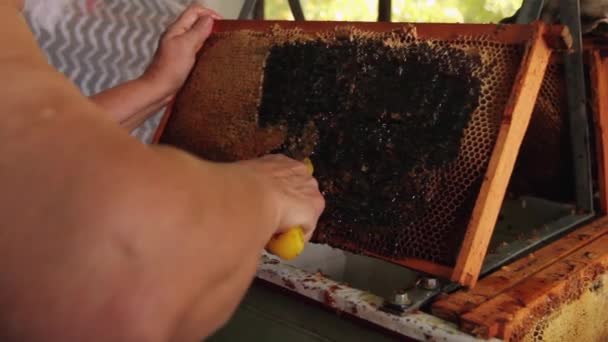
{"x": 294, "y": 191}
{"x": 178, "y": 47}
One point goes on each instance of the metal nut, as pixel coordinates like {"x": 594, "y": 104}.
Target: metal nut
{"x": 402, "y": 299}
{"x": 430, "y": 283}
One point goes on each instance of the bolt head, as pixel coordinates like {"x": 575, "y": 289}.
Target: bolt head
{"x": 430, "y": 283}
{"x": 402, "y": 299}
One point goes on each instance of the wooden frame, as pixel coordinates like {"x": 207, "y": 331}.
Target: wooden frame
{"x": 559, "y": 283}
{"x": 513, "y": 128}
{"x": 459, "y": 303}
{"x": 508, "y": 302}
{"x": 539, "y": 39}
{"x": 599, "y": 87}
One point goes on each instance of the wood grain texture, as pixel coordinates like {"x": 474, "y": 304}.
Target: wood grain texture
{"x": 452, "y": 307}
{"x": 599, "y": 88}
{"x": 512, "y": 130}
{"x": 511, "y": 314}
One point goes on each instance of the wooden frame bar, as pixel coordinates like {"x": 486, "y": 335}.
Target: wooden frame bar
{"x": 513, "y": 128}
{"x": 508, "y": 34}
{"x": 385, "y": 10}
{"x": 452, "y": 307}
{"x": 599, "y": 88}
{"x": 515, "y": 311}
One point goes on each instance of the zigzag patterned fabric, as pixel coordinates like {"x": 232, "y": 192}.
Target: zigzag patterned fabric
{"x": 99, "y": 44}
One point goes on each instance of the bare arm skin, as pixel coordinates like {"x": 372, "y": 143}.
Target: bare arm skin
{"x": 131, "y": 103}
{"x": 106, "y": 239}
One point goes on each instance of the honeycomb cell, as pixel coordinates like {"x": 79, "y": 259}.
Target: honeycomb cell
{"x": 400, "y": 129}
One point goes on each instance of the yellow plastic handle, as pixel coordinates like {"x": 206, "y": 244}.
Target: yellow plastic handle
{"x": 290, "y": 244}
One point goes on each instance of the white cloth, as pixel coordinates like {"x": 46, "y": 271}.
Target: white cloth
{"x": 99, "y": 44}
{"x": 46, "y": 13}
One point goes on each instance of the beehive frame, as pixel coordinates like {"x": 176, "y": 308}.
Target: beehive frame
{"x": 539, "y": 40}
{"x": 531, "y": 283}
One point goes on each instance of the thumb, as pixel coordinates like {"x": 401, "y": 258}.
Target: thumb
{"x": 199, "y": 32}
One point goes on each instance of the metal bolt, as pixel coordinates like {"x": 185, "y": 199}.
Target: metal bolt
{"x": 430, "y": 283}
{"x": 402, "y": 299}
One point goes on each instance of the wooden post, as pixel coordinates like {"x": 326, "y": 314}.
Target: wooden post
{"x": 599, "y": 87}
{"x": 258, "y": 12}
{"x": 384, "y": 10}
{"x": 296, "y": 10}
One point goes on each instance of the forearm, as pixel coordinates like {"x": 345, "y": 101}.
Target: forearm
{"x": 18, "y": 4}
{"x": 79, "y": 129}
{"x": 131, "y": 103}
{"x": 145, "y": 252}
{"x": 123, "y": 240}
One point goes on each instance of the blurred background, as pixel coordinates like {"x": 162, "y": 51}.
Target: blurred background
{"x": 98, "y": 44}
{"x": 449, "y": 11}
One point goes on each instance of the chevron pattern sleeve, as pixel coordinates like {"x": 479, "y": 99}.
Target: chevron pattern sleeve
{"x": 99, "y": 44}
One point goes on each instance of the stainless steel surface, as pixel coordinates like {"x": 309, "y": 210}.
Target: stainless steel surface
{"x": 577, "y": 104}
{"x": 526, "y": 224}
{"x": 322, "y": 274}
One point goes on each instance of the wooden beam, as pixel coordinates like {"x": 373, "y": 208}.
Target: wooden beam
{"x": 452, "y": 307}
{"x": 512, "y": 130}
{"x": 599, "y": 88}
{"x": 506, "y": 34}
{"x": 514, "y": 312}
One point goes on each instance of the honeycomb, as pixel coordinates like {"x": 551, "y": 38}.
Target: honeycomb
{"x": 577, "y": 314}
{"x": 400, "y": 128}
{"x": 544, "y": 164}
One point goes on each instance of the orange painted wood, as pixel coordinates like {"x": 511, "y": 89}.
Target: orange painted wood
{"x": 515, "y": 310}
{"x": 599, "y": 87}
{"x": 453, "y": 306}
{"x": 512, "y": 130}
{"x": 511, "y": 34}
{"x": 556, "y": 36}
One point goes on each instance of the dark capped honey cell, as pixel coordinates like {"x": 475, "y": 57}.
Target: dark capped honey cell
{"x": 382, "y": 126}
